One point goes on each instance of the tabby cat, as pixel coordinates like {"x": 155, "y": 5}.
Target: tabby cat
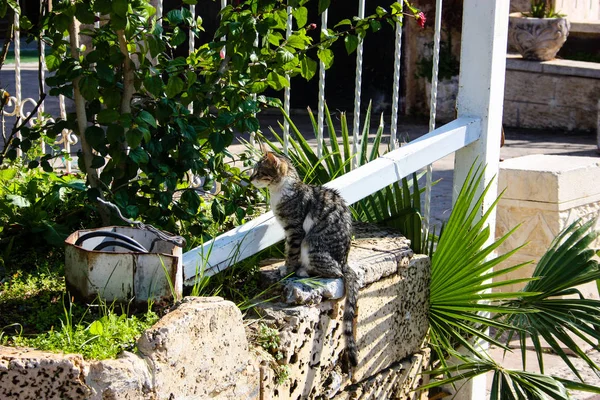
{"x": 318, "y": 230}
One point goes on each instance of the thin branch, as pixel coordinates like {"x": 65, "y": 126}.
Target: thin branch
{"x": 8, "y": 39}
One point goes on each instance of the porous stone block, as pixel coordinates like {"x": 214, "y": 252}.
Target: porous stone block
{"x": 125, "y": 378}
{"x": 200, "y": 350}
{"x": 27, "y": 374}
{"x": 544, "y": 194}
{"x": 392, "y": 320}
{"x": 399, "y": 381}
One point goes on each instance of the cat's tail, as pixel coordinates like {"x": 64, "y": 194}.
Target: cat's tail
{"x": 351, "y": 283}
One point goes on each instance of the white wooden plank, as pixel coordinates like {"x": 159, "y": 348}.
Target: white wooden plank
{"x": 260, "y": 233}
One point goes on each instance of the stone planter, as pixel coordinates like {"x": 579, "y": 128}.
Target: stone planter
{"x": 537, "y": 38}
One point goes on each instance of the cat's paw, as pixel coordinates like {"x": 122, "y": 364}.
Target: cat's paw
{"x": 302, "y": 273}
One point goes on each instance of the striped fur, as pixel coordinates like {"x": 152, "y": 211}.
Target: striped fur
{"x": 318, "y": 230}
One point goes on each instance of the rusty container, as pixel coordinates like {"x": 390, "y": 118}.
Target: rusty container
{"x": 103, "y": 262}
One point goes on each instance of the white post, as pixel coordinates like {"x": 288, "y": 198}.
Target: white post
{"x": 481, "y": 88}
{"x": 481, "y": 95}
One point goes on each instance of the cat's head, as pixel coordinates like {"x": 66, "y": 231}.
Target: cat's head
{"x": 271, "y": 169}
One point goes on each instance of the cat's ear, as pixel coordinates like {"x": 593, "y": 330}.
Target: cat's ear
{"x": 272, "y": 158}
{"x": 263, "y": 148}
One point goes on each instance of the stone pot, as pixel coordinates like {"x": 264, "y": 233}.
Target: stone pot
{"x": 537, "y": 38}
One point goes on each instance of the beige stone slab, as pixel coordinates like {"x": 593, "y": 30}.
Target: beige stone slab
{"x": 549, "y": 178}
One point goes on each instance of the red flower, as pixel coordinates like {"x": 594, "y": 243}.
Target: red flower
{"x": 311, "y": 27}
{"x": 222, "y": 53}
{"x": 421, "y": 19}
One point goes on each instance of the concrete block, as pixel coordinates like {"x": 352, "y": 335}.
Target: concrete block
{"x": 27, "y": 374}
{"x": 550, "y": 178}
{"x": 544, "y": 194}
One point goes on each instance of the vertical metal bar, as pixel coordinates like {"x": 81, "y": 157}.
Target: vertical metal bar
{"x": 18, "y": 103}
{"x": 321, "y": 110}
{"x": 159, "y": 10}
{"x": 41, "y": 65}
{"x": 432, "y": 110}
{"x": 357, "y": 89}
{"x": 288, "y": 91}
{"x": 65, "y": 135}
{"x": 191, "y": 44}
{"x": 396, "y": 88}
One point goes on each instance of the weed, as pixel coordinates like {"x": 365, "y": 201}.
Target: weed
{"x": 282, "y": 374}
{"x": 99, "y": 339}
{"x": 268, "y": 339}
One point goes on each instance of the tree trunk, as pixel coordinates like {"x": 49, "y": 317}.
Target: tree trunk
{"x": 86, "y": 149}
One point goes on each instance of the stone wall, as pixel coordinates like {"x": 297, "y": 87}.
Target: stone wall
{"x": 557, "y": 94}
{"x": 205, "y": 349}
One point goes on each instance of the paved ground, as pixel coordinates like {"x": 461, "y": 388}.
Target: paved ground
{"x": 518, "y": 143}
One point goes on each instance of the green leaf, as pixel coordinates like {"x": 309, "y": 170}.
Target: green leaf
{"x": 277, "y": 81}
{"x": 134, "y": 137}
{"x": 107, "y": 116}
{"x": 114, "y": 133}
{"x": 190, "y": 2}
{"x": 284, "y": 56}
{"x": 375, "y": 25}
{"x": 139, "y": 156}
{"x": 105, "y": 72}
{"x": 96, "y": 328}
{"x": 301, "y": 15}
{"x": 308, "y": 68}
{"x": 323, "y": 5}
{"x": 326, "y": 56}
{"x": 147, "y": 118}
{"x": 98, "y": 162}
{"x": 175, "y": 16}
{"x": 217, "y": 141}
{"x": 343, "y": 22}
{"x": 351, "y": 43}
{"x": 119, "y": 7}
{"x": 191, "y": 198}
{"x": 174, "y": 86}
{"x": 252, "y": 124}
{"x": 94, "y": 136}
{"x": 88, "y": 86}
{"x": 84, "y": 13}
{"x": 178, "y": 37}
{"x": 52, "y": 62}
{"x": 154, "y": 85}
{"x": 296, "y": 40}
{"x": 259, "y": 87}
